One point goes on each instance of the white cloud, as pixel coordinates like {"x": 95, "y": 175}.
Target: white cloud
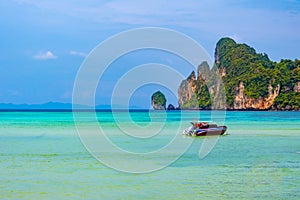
{"x": 44, "y": 56}
{"x": 76, "y": 53}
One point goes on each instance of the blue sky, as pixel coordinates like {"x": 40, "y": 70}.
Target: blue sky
{"x": 43, "y": 43}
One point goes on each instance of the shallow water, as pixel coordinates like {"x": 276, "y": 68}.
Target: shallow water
{"x": 41, "y": 156}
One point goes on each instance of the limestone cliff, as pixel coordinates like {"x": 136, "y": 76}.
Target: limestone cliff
{"x": 193, "y": 93}
{"x": 242, "y": 79}
{"x": 186, "y": 91}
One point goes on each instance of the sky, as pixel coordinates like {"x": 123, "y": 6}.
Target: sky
{"x": 43, "y": 43}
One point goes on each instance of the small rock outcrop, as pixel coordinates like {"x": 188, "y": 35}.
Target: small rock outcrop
{"x": 171, "y": 107}
{"x": 158, "y": 100}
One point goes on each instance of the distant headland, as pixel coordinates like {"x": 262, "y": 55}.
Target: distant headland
{"x": 58, "y": 106}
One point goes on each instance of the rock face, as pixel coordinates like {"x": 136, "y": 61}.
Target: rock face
{"x": 186, "y": 90}
{"x": 242, "y": 79}
{"x": 239, "y": 97}
{"x": 202, "y": 92}
{"x": 158, "y": 100}
{"x": 193, "y": 93}
{"x": 297, "y": 87}
{"x": 242, "y": 102}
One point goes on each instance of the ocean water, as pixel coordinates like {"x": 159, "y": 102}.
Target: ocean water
{"x": 43, "y": 157}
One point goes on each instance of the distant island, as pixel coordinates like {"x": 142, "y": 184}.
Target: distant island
{"x": 59, "y": 106}
{"x": 44, "y": 106}
{"x": 251, "y": 81}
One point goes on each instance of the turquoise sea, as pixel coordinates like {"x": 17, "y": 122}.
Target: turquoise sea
{"x": 42, "y": 157}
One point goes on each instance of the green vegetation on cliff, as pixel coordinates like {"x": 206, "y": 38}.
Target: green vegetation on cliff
{"x": 257, "y": 72}
{"x": 204, "y": 100}
{"x": 243, "y": 64}
{"x": 251, "y": 80}
{"x": 193, "y": 103}
{"x": 287, "y": 73}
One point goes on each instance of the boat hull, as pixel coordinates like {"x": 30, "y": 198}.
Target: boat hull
{"x": 211, "y": 131}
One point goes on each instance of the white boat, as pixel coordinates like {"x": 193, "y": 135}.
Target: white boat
{"x": 204, "y": 129}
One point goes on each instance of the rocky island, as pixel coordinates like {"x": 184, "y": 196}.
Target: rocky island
{"x": 158, "y": 100}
